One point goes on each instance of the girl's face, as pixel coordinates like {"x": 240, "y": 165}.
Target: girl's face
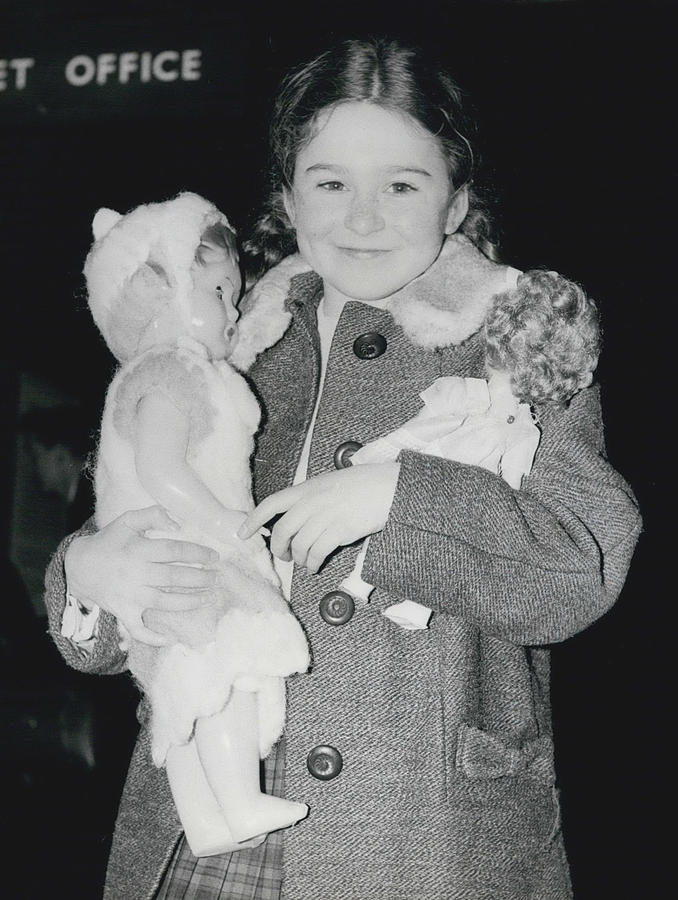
{"x": 216, "y": 288}
{"x": 371, "y": 201}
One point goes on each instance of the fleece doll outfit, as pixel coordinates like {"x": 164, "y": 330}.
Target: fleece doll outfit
{"x": 245, "y": 635}
{"x": 447, "y": 789}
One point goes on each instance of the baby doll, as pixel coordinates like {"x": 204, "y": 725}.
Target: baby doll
{"x": 541, "y": 342}
{"x": 177, "y": 431}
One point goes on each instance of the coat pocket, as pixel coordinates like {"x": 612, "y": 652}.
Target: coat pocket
{"x": 504, "y": 816}
{"x": 481, "y": 755}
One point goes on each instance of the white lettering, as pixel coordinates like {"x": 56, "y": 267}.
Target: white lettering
{"x": 129, "y": 62}
{"x": 141, "y": 66}
{"x": 20, "y": 67}
{"x": 146, "y": 66}
{"x": 106, "y": 65}
{"x": 159, "y": 70}
{"x": 80, "y": 70}
{"x": 190, "y": 65}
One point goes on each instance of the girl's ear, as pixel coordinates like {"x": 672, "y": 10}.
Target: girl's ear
{"x": 103, "y": 221}
{"x": 457, "y": 211}
{"x": 288, "y": 203}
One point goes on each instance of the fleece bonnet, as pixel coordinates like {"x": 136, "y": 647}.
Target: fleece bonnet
{"x": 165, "y": 235}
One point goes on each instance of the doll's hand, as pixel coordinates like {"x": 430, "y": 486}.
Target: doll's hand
{"x": 124, "y": 572}
{"x": 326, "y": 512}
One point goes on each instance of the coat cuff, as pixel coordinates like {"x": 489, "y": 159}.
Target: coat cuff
{"x": 102, "y": 655}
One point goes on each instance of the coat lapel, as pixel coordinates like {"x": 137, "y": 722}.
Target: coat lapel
{"x": 285, "y": 381}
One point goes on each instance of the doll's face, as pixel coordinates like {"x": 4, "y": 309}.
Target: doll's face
{"x": 216, "y": 288}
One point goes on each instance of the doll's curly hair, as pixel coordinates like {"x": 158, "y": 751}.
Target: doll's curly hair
{"x": 546, "y": 334}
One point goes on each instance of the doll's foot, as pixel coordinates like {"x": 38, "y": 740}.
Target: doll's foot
{"x": 264, "y": 815}
{"x": 216, "y": 845}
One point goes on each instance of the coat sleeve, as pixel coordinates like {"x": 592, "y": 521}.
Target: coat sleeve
{"x": 104, "y": 657}
{"x": 531, "y": 566}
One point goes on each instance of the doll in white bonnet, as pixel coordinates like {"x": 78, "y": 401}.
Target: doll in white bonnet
{"x": 542, "y": 340}
{"x": 177, "y": 431}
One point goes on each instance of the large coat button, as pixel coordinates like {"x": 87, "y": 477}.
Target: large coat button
{"x": 337, "y": 607}
{"x": 344, "y": 452}
{"x": 324, "y": 762}
{"x": 369, "y": 345}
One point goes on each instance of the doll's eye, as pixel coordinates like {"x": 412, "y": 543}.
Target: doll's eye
{"x": 220, "y": 292}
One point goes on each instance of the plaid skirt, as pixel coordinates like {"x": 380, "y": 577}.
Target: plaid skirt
{"x": 254, "y": 874}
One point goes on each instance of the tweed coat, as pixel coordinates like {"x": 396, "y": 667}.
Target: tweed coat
{"x": 447, "y": 790}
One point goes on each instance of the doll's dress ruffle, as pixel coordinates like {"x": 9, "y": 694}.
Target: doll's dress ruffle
{"x": 468, "y": 420}
{"x": 244, "y": 635}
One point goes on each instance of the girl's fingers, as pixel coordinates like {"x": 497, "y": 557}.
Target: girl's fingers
{"x": 189, "y": 577}
{"x": 141, "y": 520}
{"x": 169, "y": 602}
{"x": 305, "y": 537}
{"x": 272, "y": 506}
{"x": 140, "y": 632}
{"x": 326, "y": 543}
{"x": 289, "y": 525}
{"x": 167, "y": 550}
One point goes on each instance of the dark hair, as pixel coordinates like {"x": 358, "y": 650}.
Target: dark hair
{"x": 390, "y": 75}
{"x": 221, "y": 236}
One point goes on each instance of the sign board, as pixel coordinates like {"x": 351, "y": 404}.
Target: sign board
{"x": 123, "y": 68}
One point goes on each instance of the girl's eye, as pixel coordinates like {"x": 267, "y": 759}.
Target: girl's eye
{"x": 401, "y": 187}
{"x": 331, "y": 185}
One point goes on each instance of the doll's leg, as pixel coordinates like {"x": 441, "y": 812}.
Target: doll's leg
{"x": 228, "y": 746}
{"x": 204, "y": 825}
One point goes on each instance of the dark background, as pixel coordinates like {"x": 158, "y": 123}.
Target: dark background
{"x": 577, "y": 108}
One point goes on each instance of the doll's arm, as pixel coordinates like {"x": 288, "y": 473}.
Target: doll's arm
{"x": 160, "y": 447}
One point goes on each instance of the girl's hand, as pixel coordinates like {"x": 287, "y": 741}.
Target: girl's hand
{"x": 230, "y": 523}
{"x": 326, "y": 512}
{"x": 124, "y": 572}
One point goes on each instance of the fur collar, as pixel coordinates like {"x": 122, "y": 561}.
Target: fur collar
{"x": 442, "y": 307}
{"x": 448, "y": 302}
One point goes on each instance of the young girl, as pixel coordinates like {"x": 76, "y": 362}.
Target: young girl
{"x": 425, "y": 756}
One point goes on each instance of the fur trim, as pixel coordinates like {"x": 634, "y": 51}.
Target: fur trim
{"x": 443, "y": 306}
{"x": 254, "y": 651}
{"x": 265, "y": 317}
{"x": 448, "y": 302}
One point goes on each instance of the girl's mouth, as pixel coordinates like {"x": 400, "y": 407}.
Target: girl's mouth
{"x": 358, "y": 253}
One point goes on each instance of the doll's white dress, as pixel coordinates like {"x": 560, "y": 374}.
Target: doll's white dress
{"x": 246, "y": 634}
{"x": 468, "y": 420}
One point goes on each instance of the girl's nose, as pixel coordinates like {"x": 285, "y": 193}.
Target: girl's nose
{"x": 363, "y": 216}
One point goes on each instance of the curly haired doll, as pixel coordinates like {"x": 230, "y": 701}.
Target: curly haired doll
{"x": 177, "y": 431}
{"x": 542, "y": 342}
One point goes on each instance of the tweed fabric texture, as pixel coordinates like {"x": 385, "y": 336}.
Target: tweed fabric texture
{"x": 447, "y": 791}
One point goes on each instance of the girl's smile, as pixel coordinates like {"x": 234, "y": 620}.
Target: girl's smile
{"x": 371, "y": 201}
